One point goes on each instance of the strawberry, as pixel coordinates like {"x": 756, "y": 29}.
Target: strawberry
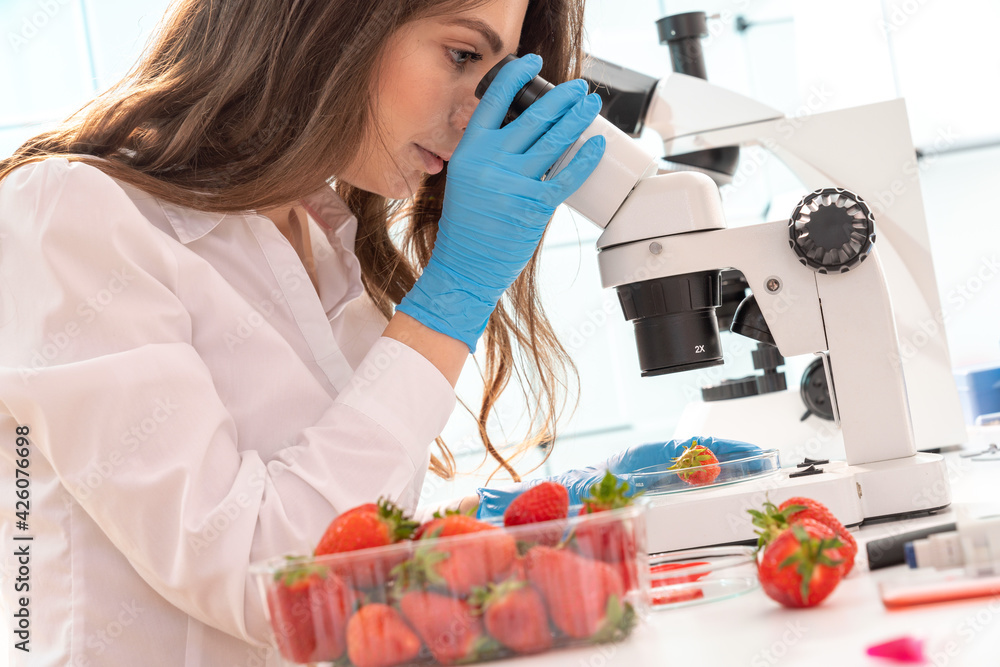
{"x": 702, "y": 463}
{"x": 466, "y": 563}
{"x": 802, "y": 565}
{"x": 812, "y": 509}
{"x": 514, "y": 614}
{"x": 774, "y": 520}
{"x": 366, "y": 527}
{"x": 448, "y": 626}
{"x": 584, "y": 597}
{"x": 612, "y": 542}
{"x": 377, "y": 636}
{"x": 309, "y": 608}
{"x": 544, "y": 502}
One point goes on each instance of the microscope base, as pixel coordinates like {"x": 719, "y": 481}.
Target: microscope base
{"x": 714, "y": 516}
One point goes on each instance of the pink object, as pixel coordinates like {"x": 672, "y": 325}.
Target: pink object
{"x": 904, "y": 649}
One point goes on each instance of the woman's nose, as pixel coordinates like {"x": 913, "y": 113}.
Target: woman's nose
{"x": 463, "y": 112}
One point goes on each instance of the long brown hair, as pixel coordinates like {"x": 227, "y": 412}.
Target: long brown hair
{"x": 251, "y": 104}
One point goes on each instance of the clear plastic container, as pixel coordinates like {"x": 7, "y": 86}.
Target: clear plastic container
{"x": 575, "y": 581}
{"x": 697, "y": 576}
{"x": 658, "y": 480}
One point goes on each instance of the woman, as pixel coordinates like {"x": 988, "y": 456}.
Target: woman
{"x": 199, "y": 333}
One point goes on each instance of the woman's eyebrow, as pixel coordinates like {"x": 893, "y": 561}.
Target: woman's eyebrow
{"x": 491, "y": 36}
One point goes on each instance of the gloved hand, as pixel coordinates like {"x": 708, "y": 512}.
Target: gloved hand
{"x": 493, "y": 502}
{"x": 496, "y": 206}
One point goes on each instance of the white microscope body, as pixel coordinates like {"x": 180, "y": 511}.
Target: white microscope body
{"x": 664, "y": 225}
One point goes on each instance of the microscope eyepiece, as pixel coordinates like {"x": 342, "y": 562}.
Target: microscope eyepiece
{"x": 524, "y": 98}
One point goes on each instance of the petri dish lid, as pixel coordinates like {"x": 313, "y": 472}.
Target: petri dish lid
{"x": 659, "y": 480}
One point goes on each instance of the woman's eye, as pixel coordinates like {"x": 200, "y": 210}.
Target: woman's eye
{"x": 462, "y": 58}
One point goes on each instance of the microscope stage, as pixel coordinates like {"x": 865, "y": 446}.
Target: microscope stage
{"x": 718, "y": 515}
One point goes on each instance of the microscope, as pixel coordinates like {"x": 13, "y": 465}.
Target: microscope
{"x": 818, "y": 286}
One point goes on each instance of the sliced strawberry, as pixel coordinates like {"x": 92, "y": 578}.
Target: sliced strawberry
{"x": 673, "y": 597}
{"x": 802, "y": 565}
{"x": 377, "y": 636}
{"x": 657, "y": 579}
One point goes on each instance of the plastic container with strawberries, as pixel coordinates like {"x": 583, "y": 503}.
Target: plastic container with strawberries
{"x": 492, "y": 592}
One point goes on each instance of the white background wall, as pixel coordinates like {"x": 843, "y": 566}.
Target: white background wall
{"x": 941, "y": 56}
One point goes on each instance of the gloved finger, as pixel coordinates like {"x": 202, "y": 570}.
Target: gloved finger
{"x": 562, "y": 136}
{"x": 642, "y": 456}
{"x": 498, "y": 97}
{"x": 547, "y": 112}
{"x": 578, "y": 170}
{"x": 728, "y": 450}
{"x": 493, "y": 502}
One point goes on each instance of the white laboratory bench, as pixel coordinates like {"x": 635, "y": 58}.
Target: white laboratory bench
{"x": 755, "y": 631}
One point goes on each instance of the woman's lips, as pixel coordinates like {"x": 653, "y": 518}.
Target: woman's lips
{"x": 432, "y": 162}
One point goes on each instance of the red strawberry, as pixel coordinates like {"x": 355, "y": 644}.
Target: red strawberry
{"x": 309, "y": 608}
{"x": 584, "y": 597}
{"x": 544, "y": 502}
{"x": 366, "y": 527}
{"x": 697, "y": 465}
{"x": 466, "y": 563}
{"x": 773, "y": 521}
{"x": 515, "y": 616}
{"x": 605, "y": 541}
{"x": 812, "y": 509}
{"x": 612, "y": 542}
{"x": 802, "y": 565}
{"x": 448, "y": 626}
{"x": 378, "y": 637}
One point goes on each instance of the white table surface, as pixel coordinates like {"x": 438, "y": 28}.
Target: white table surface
{"x": 755, "y": 631}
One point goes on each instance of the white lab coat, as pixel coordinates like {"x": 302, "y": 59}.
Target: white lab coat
{"x": 194, "y": 406}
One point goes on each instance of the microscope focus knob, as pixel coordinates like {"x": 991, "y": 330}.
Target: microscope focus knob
{"x": 832, "y": 230}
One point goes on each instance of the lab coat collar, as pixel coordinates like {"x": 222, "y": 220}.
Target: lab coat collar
{"x": 190, "y": 224}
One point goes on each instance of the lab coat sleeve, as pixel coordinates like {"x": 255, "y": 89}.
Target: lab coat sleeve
{"x": 96, "y": 356}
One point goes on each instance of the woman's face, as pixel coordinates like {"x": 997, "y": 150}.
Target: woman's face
{"x": 426, "y": 93}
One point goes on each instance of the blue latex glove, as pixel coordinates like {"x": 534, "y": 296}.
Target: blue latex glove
{"x": 496, "y": 206}
{"x": 493, "y": 502}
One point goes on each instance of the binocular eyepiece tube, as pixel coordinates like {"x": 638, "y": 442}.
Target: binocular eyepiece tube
{"x": 674, "y": 317}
